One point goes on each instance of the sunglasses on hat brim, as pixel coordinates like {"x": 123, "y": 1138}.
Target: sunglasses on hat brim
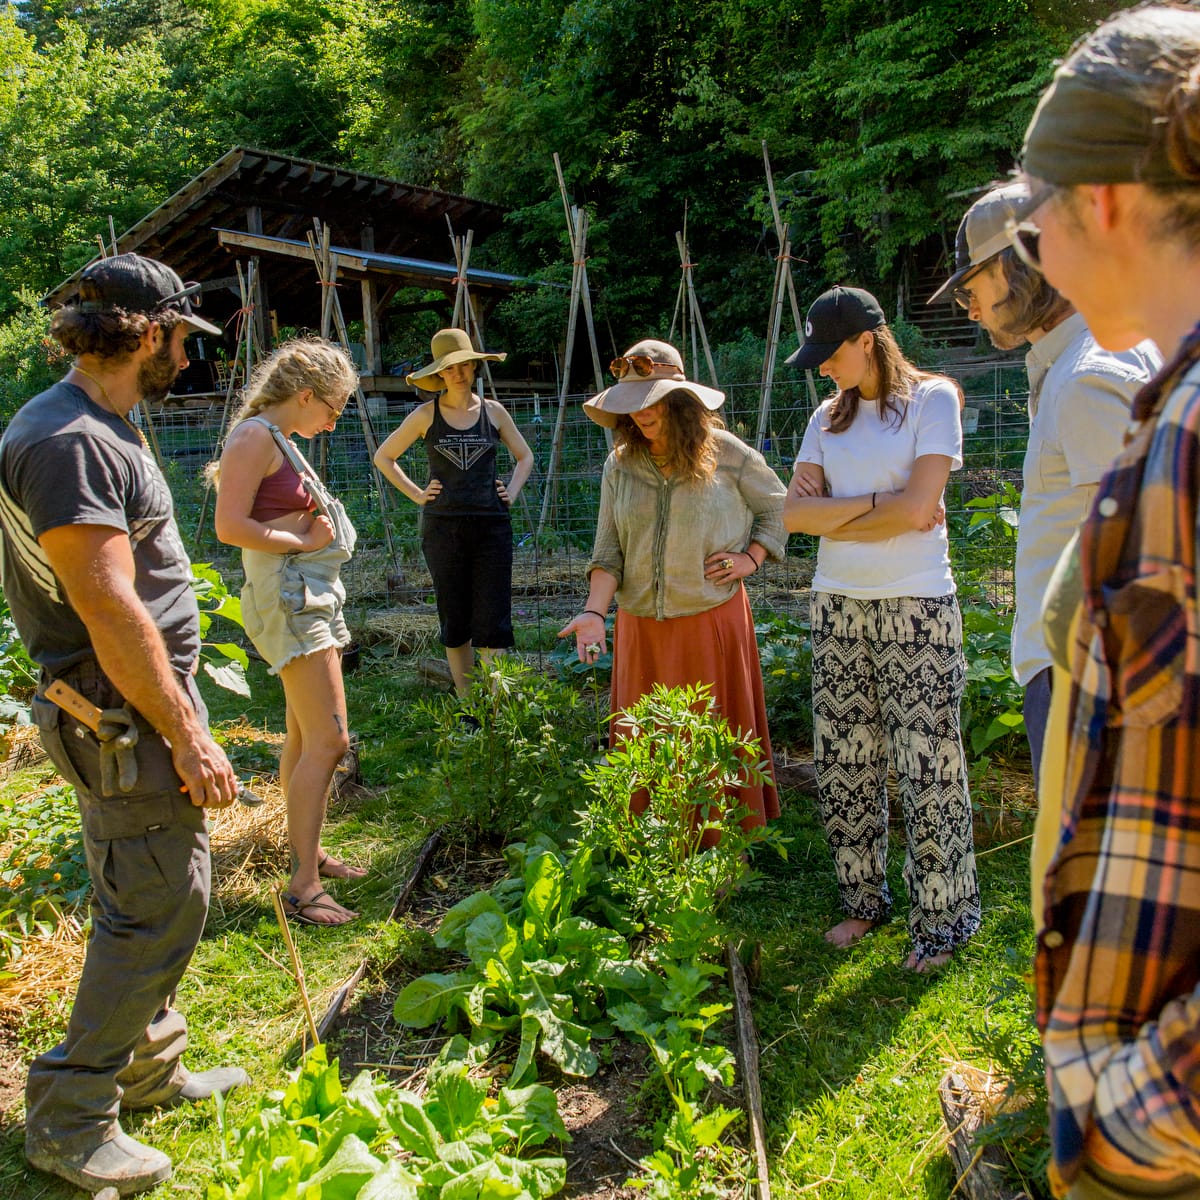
{"x": 639, "y": 364}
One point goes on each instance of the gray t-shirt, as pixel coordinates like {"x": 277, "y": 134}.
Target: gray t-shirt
{"x": 66, "y": 461}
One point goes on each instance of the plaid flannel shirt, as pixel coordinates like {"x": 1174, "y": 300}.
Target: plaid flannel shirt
{"x": 1118, "y": 961}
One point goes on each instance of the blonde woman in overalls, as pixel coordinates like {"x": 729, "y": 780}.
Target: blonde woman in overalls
{"x": 294, "y": 538}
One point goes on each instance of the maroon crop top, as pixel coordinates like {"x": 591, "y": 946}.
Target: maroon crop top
{"x": 280, "y": 493}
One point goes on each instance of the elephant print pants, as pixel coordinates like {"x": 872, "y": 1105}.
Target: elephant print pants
{"x": 888, "y": 677}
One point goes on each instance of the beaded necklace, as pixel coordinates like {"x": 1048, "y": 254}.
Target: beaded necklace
{"x": 108, "y": 404}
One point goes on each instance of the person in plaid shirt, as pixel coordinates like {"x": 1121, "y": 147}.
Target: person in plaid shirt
{"x": 1112, "y": 160}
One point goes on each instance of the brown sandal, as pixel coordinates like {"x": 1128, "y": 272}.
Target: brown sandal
{"x": 345, "y": 872}
{"x": 322, "y": 900}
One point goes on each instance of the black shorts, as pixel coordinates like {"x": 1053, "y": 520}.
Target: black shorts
{"x": 470, "y": 559}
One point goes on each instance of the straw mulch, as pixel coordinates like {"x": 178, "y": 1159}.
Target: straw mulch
{"x": 249, "y": 848}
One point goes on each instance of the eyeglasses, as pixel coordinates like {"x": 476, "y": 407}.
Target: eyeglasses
{"x": 1024, "y": 236}
{"x": 963, "y": 297}
{"x": 1023, "y": 233}
{"x": 640, "y": 364}
{"x": 337, "y": 412}
{"x": 189, "y": 292}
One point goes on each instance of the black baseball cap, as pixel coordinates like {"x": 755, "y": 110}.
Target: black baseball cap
{"x": 834, "y": 316}
{"x": 139, "y": 285}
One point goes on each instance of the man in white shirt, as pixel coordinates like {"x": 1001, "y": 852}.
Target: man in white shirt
{"x": 1079, "y": 399}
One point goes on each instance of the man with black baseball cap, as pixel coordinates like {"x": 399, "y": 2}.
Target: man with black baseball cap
{"x": 1079, "y": 399}
{"x": 100, "y": 589}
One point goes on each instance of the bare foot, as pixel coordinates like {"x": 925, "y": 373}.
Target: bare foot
{"x": 334, "y": 868}
{"x": 929, "y": 964}
{"x": 847, "y": 932}
{"x": 318, "y": 909}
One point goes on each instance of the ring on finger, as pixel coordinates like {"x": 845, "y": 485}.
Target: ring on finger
{"x": 726, "y": 563}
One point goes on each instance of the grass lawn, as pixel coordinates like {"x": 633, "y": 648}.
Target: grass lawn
{"x": 853, "y": 1046}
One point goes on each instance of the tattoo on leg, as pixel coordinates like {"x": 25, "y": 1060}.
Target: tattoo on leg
{"x": 337, "y": 720}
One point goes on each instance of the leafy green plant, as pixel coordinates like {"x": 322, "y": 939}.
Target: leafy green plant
{"x": 992, "y": 712}
{"x": 541, "y": 972}
{"x": 43, "y": 871}
{"x": 224, "y": 662}
{"x": 785, "y": 649}
{"x": 457, "y": 1141}
{"x": 1008, "y": 1038}
{"x": 679, "y": 756}
{"x": 690, "y": 1159}
{"x": 18, "y": 674}
{"x": 519, "y": 756}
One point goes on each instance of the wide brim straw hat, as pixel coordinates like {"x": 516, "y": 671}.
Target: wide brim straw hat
{"x": 448, "y": 346}
{"x": 635, "y": 392}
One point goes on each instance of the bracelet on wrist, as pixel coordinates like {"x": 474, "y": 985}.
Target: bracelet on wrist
{"x": 873, "y": 495}
{"x": 594, "y": 613}
{"x": 754, "y": 560}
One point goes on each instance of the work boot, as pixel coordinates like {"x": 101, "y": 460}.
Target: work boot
{"x": 121, "y": 1163}
{"x": 198, "y": 1086}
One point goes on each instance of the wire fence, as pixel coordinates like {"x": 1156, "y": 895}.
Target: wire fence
{"x": 549, "y": 571}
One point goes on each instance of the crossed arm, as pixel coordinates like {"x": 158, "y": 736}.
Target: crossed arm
{"x": 870, "y": 517}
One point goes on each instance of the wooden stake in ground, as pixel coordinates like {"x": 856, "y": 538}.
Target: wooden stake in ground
{"x": 577, "y": 229}
{"x": 693, "y": 322}
{"x": 243, "y": 365}
{"x": 297, "y": 967}
{"x": 326, "y": 262}
{"x": 784, "y": 286}
{"x": 747, "y": 1056}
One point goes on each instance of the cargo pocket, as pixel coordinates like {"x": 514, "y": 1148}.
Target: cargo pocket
{"x": 1145, "y": 639}
{"x": 300, "y": 596}
{"x": 252, "y": 620}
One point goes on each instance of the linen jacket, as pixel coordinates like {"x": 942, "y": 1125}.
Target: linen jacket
{"x": 1118, "y": 958}
{"x": 654, "y": 533}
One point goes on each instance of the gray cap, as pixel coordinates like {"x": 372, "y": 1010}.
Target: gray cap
{"x": 981, "y": 233}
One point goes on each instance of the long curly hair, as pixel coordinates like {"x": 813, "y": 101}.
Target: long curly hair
{"x": 688, "y": 428}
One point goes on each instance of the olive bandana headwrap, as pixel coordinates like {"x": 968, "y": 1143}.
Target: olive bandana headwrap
{"x": 1101, "y": 121}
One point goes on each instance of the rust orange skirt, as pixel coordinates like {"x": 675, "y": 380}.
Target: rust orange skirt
{"x": 717, "y": 647}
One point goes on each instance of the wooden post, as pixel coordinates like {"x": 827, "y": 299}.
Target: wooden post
{"x": 783, "y": 271}
{"x": 578, "y": 243}
{"x": 577, "y": 252}
{"x": 371, "y": 340}
{"x": 693, "y": 308}
{"x": 327, "y": 268}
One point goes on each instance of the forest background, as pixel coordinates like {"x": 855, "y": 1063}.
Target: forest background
{"x": 883, "y": 117}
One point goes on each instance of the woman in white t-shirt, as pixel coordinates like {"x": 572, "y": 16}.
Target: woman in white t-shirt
{"x": 888, "y": 667}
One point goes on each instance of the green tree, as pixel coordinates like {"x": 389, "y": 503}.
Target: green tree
{"x": 90, "y": 132}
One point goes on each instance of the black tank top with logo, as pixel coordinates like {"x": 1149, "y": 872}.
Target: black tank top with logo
{"x": 465, "y": 461}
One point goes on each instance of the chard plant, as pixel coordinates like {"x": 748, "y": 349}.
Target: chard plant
{"x": 542, "y": 973}
{"x": 373, "y": 1141}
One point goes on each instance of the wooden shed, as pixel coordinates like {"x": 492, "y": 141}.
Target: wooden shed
{"x": 387, "y": 235}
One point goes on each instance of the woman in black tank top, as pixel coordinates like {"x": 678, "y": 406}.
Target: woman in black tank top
{"x": 466, "y": 531}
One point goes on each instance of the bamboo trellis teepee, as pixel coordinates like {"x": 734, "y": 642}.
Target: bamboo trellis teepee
{"x": 694, "y": 335}
{"x": 577, "y": 230}
{"x": 784, "y": 287}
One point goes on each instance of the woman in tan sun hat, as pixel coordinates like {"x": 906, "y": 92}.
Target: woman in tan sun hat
{"x": 687, "y": 511}
{"x": 466, "y": 531}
